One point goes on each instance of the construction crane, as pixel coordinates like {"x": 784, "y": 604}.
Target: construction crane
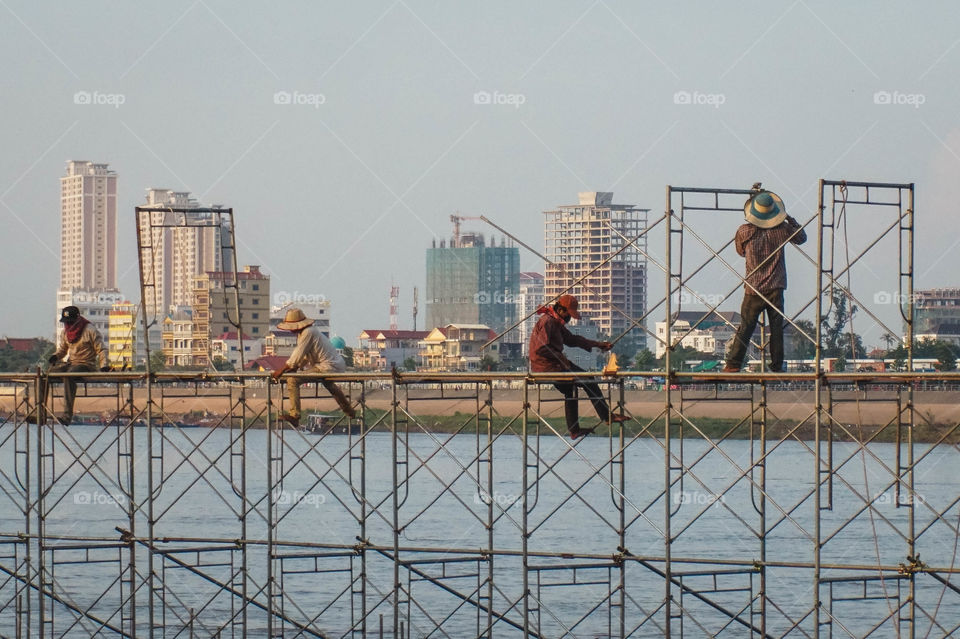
{"x": 456, "y": 219}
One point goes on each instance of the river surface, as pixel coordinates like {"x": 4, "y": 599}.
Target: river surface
{"x": 576, "y": 511}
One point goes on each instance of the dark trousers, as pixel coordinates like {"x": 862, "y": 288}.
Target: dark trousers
{"x": 750, "y": 311}
{"x": 69, "y": 383}
{"x": 571, "y": 407}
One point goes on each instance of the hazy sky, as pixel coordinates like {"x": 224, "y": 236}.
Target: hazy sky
{"x": 345, "y": 134}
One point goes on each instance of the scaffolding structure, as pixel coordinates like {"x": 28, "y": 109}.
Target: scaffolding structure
{"x": 159, "y": 227}
{"x": 824, "y": 504}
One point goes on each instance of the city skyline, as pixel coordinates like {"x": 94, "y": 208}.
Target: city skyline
{"x": 345, "y": 139}
{"x": 190, "y": 251}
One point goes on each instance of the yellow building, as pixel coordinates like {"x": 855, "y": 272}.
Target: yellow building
{"x": 456, "y": 347}
{"x": 122, "y": 335}
{"x": 178, "y": 339}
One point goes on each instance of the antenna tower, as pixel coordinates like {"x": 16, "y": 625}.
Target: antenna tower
{"x": 394, "y": 308}
{"x": 414, "y": 308}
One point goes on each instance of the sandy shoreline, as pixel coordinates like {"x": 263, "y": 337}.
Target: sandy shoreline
{"x": 873, "y": 408}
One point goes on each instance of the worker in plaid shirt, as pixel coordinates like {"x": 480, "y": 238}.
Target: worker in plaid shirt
{"x": 761, "y": 241}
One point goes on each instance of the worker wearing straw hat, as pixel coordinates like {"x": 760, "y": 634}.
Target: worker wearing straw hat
{"x": 760, "y": 241}
{"x": 313, "y": 354}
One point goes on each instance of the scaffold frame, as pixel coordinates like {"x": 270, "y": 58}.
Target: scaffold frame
{"x": 757, "y": 504}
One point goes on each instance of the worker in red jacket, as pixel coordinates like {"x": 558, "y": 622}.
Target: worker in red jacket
{"x": 547, "y": 340}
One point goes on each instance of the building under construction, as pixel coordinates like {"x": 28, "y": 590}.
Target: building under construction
{"x": 595, "y": 250}
{"x": 471, "y": 282}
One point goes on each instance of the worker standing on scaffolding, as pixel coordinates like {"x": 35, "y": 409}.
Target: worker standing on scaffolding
{"x": 761, "y": 242}
{"x": 546, "y": 356}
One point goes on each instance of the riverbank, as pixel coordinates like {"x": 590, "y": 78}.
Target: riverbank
{"x": 855, "y": 414}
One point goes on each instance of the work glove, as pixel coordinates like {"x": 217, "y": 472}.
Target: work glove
{"x": 53, "y": 359}
{"x": 105, "y": 369}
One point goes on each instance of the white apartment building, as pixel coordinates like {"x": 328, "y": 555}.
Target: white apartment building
{"x": 94, "y": 304}
{"x": 227, "y": 347}
{"x": 711, "y": 334}
{"x": 88, "y": 231}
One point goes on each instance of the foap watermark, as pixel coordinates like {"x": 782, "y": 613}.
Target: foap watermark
{"x": 898, "y": 98}
{"x": 894, "y": 297}
{"x": 494, "y": 297}
{"x": 516, "y": 100}
{"x": 889, "y": 498}
{"x": 695, "y": 297}
{"x": 697, "y": 98}
{"x": 697, "y": 497}
{"x": 296, "y": 98}
{"x": 97, "y": 498}
{"x": 285, "y": 498}
{"x": 501, "y": 499}
{"x": 98, "y": 98}
{"x": 285, "y": 298}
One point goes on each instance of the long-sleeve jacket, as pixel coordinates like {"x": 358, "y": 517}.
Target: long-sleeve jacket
{"x": 763, "y": 249}
{"x": 88, "y": 349}
{"x": 315, "y": 352}
{"x": 547, "y": 340}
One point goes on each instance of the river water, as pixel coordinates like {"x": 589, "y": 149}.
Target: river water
{"x": 574, "y": 505}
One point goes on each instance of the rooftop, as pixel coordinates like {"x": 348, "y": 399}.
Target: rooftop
{"x": 20, "y": 344}
{"x": 391, "y": 334}
{"x": 232, "y": 335}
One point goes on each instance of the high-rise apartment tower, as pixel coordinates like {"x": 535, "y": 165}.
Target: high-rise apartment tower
{"x": 581, "y": 241}
{"x": 88, "y": 231}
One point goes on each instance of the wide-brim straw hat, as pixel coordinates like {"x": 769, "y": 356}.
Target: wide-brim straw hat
{"x": 294, "y": 320}
{"x": 765, "y": 209}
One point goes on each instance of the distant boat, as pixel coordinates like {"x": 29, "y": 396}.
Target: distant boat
{"x": 330, "y": 425}
{"x": 160, "y": 424}
{"x": 86, "y": 420}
